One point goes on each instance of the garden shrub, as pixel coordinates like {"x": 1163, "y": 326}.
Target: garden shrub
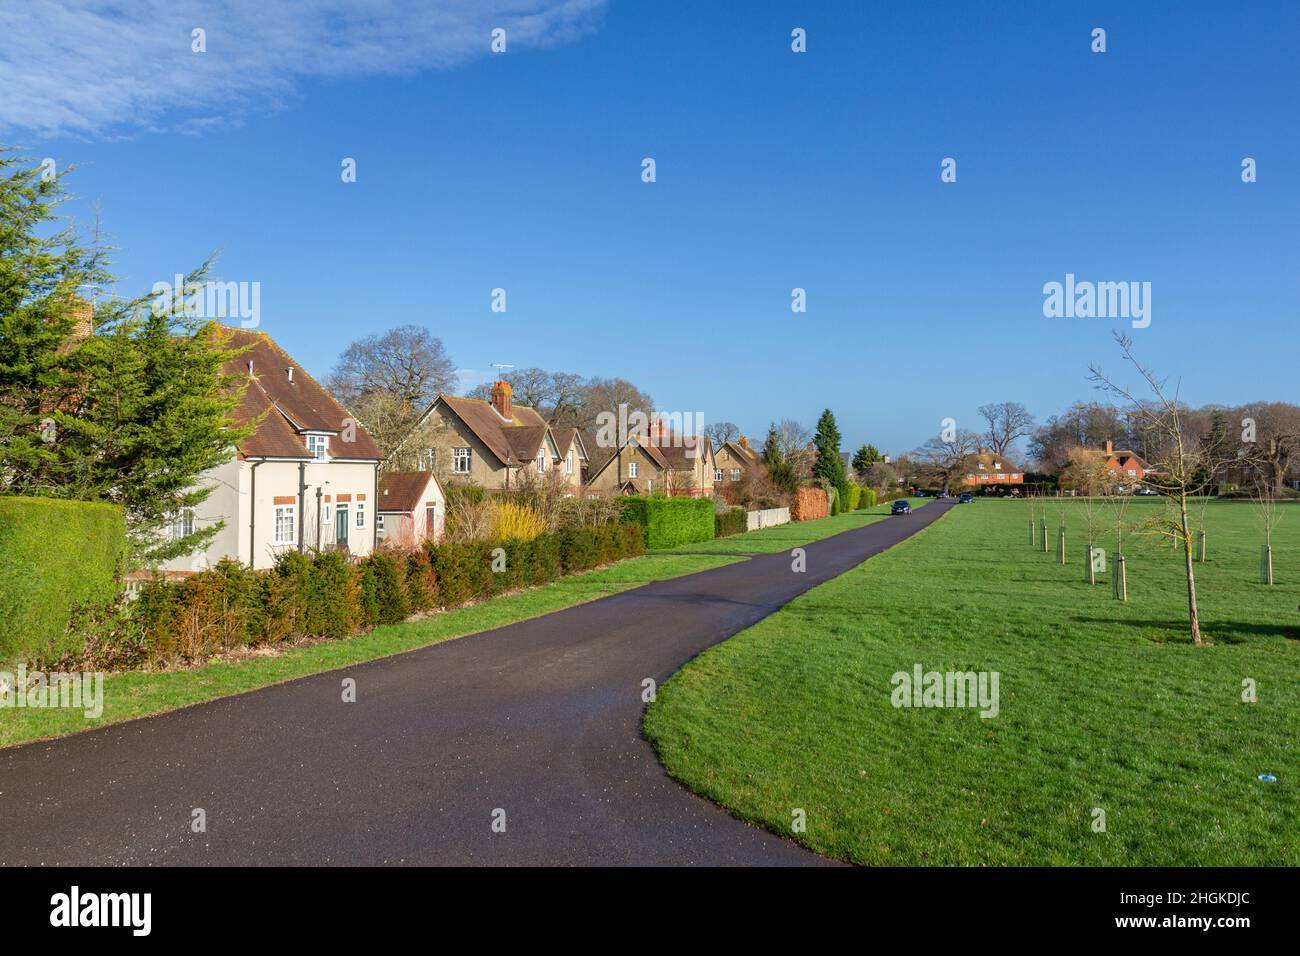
{"x": 211, "y": 612}
{"x": 577, "y": 550}
{"x": 329, "y": 590}
{"x": 546, "y": 559}
{"x": 516, "y": 522}
{"x": 369, "y": 596}
{"x": 809, "y": 504}
{"x": 867, "y": 498}
{"x": 733, "y": 521}
{"x": 421, "y": 582}
{"x": 519, "y": 564}
{"x": 326, "y": 595}
{"x": 56, "y": 557}
{"x": 389, "y": 574}
{"x": 668, "y": 521}
{"x": 282, "y": 617}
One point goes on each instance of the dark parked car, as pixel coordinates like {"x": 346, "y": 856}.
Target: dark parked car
{"x": 900, "y": 507}
{"x": 966, "y": 498}
{"x": 1144, "y": 491}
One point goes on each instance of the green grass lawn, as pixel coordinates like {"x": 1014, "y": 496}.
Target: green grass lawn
{"x": 786, "y": 536}
{"x": 138, "y": 694}
{"x": 1102, "y": 704}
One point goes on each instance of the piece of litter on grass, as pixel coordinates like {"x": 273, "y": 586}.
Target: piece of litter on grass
{"x": 1268, "y": 778}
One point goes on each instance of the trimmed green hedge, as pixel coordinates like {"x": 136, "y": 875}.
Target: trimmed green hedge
{"x": 55, "y": 557}
{"x": 325, "y": 595}
{"x": 734, "y": 521}
{"x": 853, "y": 498}
{"x": 667, "y": 522}
{"x": 867, "y": 498}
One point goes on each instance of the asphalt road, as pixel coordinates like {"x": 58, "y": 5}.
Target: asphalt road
{"x": 540, "y": 719}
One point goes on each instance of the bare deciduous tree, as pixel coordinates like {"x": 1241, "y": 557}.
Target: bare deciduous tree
{"x": 1265, "y": 503}
{"x": 1007, "y": 423}
{"x": 1183, "y": 463}
{"x": 941, "y": 459}
{"x": 722, "y": 432}
{"x": 407, "y": 363}
{"x": 1276, "y": 437}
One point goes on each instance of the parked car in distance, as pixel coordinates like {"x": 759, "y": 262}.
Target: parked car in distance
{"x": 900, "y": 507}
{"x": 1145, "y": 491}
{"x": 966, "y": 498}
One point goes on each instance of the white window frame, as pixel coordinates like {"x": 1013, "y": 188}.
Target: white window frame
{"x": 568, "y": 462}
{"x": 735, "y": 474}
{"x": 182, "y": 524}
{"x": 319, "y": 446}
{"x": 541, "y": 462}
{"x": 717, "y": 474}
{"x": 288, "y": 514}
{"x": 379, "y": 523}
{"x": 631, "y": 469}
{"x": 429, "y": 459}
{"x": 459, "y": 457}
{"x": 361, "y": 514}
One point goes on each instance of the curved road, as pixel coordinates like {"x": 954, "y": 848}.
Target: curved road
{"x": 540, "y": 719}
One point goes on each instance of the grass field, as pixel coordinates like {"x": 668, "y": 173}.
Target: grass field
{"x": 138, "y": 694}
{"x": 1103, "y": 705}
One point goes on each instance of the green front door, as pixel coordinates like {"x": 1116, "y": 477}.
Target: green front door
{"x": 341, "y": 527}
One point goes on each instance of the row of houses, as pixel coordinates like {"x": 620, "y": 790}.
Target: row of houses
{"x": 989, "y": 468}
{"x": 311, "y": 476}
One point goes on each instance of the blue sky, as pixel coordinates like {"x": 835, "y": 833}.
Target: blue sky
{"x": 775, "y": 170}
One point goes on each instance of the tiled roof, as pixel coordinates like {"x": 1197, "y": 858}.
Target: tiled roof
{"x": 404, "y": 490}
{"x": 1126, "y": 457}
{"x": 500, "y": 435}
{"x": 564, "y": 438}
{"x": 742, "y": 451}
{"x": 679, "y": 457}
{"x": 525, "y": 440}
{"x": 989, "y": 460}
{"x": 290, "y": 406}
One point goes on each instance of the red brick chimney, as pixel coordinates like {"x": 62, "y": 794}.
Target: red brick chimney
{"x": 501, "y": 392}
{"x": 744, "y": 441}
{"x": 83, "y": 310}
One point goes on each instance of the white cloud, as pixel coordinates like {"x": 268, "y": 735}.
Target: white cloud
{"x": 92, "y": 68}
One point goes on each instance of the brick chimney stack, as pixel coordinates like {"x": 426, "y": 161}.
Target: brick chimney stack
{"x": 1109, "y": 451}
{"x": 744, "y": 441}
{"x": 501, "y": 393}
{"x": 83, "y": 312}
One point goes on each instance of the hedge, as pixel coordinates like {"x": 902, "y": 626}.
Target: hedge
{"x": 852, "y": 497}
{"x": 325, "y": 595}
{"x": 667, "y": 522}
{"x": 732, "y": 521}
{"x": 55, "y": 557}
{"x": 867, "y": 498}
{"x": 809, "y": 503}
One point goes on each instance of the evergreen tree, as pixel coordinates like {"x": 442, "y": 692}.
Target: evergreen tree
{"x": 865, "y": 457}
{"x": 829, "y": 466}
{"x": 131, "y": 410}
{"x": 779, "y": 470}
